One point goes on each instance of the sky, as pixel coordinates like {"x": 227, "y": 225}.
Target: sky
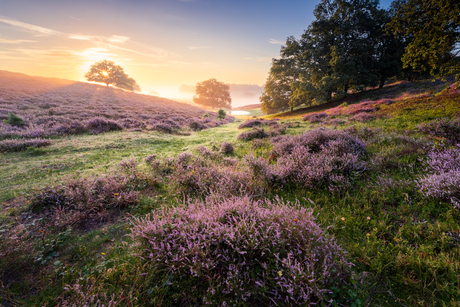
{"x": 162, "y": 44}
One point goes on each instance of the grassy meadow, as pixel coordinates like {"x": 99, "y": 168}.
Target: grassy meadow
{"x": 353, "y": 203}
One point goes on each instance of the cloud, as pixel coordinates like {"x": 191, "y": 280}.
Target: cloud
{"x": 118, "y": 39}
{"x": 15, "y": 41}
{"x": 199, "y": 47}
{"x": 31, "y": 27}
{"x": 81, "y": 37}
{"x": 275, "y": 42}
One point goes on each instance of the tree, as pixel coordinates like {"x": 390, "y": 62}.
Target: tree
{"x": 212, "y": 93}
{"x": 107, "y": 72}
{"x": 344, "y": 48}
{"x": 431, "y": 29}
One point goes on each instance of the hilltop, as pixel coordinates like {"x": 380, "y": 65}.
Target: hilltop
{"x": 51, "y": 106}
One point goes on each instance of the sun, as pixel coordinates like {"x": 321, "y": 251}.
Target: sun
{"x": 105, "y": 73}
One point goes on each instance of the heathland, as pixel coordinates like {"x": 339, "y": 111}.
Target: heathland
{"x": 110, "y": 198}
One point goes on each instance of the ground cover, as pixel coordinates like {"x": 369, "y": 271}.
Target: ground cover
{"x": 141, "y": 218}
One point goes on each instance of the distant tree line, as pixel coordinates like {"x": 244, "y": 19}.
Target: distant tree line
{"x": 355, "y": 44}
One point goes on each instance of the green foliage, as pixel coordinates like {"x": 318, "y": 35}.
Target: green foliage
{"x": 221, "y": 114}
{"x": 432, "y": 30}
{"x": 212, "y": 93}
{"x": 344, "y": 49}
{"x": 14, "y": 120}
{"x": 107, "y": 72}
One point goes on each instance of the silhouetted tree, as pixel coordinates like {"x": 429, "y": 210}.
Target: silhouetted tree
{"x": 212, "y": 93}
{"x": 107, "y": 72}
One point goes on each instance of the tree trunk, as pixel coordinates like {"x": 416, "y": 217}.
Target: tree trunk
{"x": 382, "y": 81}
{"x": 346, "y": 87}
{"x": 292, "y": 109}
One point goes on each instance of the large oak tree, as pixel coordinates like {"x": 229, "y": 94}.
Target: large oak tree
{"x": 212, "y": 93}
{"x": 110, "y": 74}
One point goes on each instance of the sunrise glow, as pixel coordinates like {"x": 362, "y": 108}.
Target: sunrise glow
{"x": 161, "y": 44}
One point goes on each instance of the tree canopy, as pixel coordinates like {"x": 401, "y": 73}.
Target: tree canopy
{"x": 212, "y": 93}
{"x": 344, "y": 48}
{"x": 431, "y": 29}
{"x": 107, "y": 72}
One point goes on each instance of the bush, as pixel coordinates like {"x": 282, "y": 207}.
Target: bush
{"x": 226, "y": 148}
{"x": 84, "y": 201}
{"x": 319, "y": 159}
{"x": 240, "y": 252}
{"x": 445, "y": 128}
{"x": 196, "y": 125}
{"x": 250, "y": 123}
{"x": 315, "y": 117}
{"x": 99, "y": 125}
{"x": 362, "y": 117}
{"x": 21, "y": 145}
{"x": 253, "y": 134}
{"x": 443, "y": 182}
{"x": 221, "y": 114}
{"x": 14, "y": 120}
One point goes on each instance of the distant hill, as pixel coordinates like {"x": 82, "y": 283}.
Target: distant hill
{"x": 52, "y": 106}
{"x": 248, "y": 107}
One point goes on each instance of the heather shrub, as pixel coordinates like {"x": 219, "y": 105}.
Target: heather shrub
{"x": 81, "y": 202}
{"x": 21, "y": 145}
{"x": 317, "y": 139}
{"x": 252, "y": 134}
{"x": 162, "y": 127}
{"x": 241, "y": 252}
{"x": 443, "y": 180}
{"x": 250, "y": 123}
{"x": 14, "y": 120}
{"x": 319, "y": 158}
{"x": 445, "y": 128}
{"x": 196, "y": 125}
{"x": 99, "y": 125}
{"x": 362, "y": 117}
{"x": 315, "y": 117}
{"x": 226, "y": 148}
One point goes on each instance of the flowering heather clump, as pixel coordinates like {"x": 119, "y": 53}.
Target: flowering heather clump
{"x": 317, "y": 139}
{"x": 226, "y": 148}
{"x": 99, "y": 125}
{"x": 195, "y": 125}
{"x": 251, "y": 123}
{"x": 445, "y": 128}
{"x": 444, "y": 180}
{"x": 227, "y": 252}
{"x": 162, "y": 127}
{"x": 315, "y": 117}
{"x": 83, "y": 201}
{"x": 21, "y": 145}
{"x": 253, "y": 134}
{"x": 319, "y": 158}
{"x": 362, "y": 117}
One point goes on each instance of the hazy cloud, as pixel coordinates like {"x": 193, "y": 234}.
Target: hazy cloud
{"x": 15, "y": 41}
{"x": 81, "y": 37}
{"x": 275, "y": 42}
{"x": 118, "y": 39}
{"x": 29, "y": 26}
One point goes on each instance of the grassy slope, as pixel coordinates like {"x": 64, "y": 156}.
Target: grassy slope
{"x": 389, "y": 231}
